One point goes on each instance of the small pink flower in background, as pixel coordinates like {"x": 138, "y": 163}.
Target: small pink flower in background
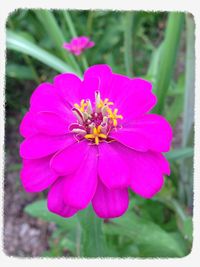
{"x": 78, "y": 45}
{"x": 90, "y": 140}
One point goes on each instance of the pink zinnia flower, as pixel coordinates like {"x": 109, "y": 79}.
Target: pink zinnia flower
{"x": 91, "y": 140}
{"x": 78, "y": 45}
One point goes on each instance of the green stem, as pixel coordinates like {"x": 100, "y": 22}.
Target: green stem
{"x": 70, "y": 23}
{"x": 93, "y": 242}
{"x": 74, "y": 34}
{"x": 168, "y": 57}
{"x": 78, "y": 240}
{"x": 128, "y": 57}
{"x": 89, "y": 22}
{"x": 84, "y": 62}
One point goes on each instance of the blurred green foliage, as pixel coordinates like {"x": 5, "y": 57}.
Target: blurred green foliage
{"x": 146, "y": 44}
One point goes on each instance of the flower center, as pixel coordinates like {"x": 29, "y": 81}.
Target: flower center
{"x": 94, "y": 122}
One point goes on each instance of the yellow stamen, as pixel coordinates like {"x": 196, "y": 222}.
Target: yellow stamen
{"x": 113, "y": 116}
{"x": 82, "y": 105}
{"x": 96, "y": 135}
{"x": 105, "y": 102}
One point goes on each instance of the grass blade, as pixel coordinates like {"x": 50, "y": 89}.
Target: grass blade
{"x": 128, "y": 58}
{"x": 186, "y": 181}
{"x": 168, "y": 57}
{"x": 181, "y": 153}
{"x": 20, "y": 44}
{"x": 70, "y": 23}
{"x": 51, "y": 27}
{"x": 188, "y": 114}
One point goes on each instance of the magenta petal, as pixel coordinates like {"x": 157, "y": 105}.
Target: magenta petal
{"x": 45, "y": 98}
{"x": 51, "y": 123}
{"x": 118, "y": 89}
{"x": 130, "y": 138}
{"x": 40, "y": 145}
{"x": 147, "y": 175}
{"x": 104, "y": 73}
{"x": 27, "y": 126}
{"x": 68, "y": 87}
{"x": 90, "y": 44}
{"x": 113, "y": 170}
{"x": 90, "y": 85}
{"x": 110, "y": 203}
{"x": 69, "y": 159}
{"x": 149, "y": 132}
{"x": 55, "y": 201}
{"x": 162, "y": 163}
{"x": 83, "y": 40}
{"x": 80, "y": 187}
{"x": 36, "y": 174}
{"x": 136, "y": 100}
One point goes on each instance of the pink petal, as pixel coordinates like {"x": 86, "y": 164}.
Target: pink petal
{"x": 110, "y": 203}
{"x": 68, "y": 87}
{"x": 75, "y": 41}
{"x": 90, "y": 44}
{"x": 69, "y": 159}
{"x": 147, "y": 175}
{"x": 83, "y": 40}
{"x": 130, "y": 138}
{"x": 103, "y": 73}
{"x": 146, "y": 170}
{"x": 90, "y": 85}
{"x": 45, "y": 98}
{"x": 80, "y": 187}
{"x": 67, "y": 46}
{"x": 55, "y": 201}
{"x": 132, "y": 97}
{"x": 40, "y": 145}
{"x": 162, "y": 163}
{"x": 113, "y": 170}
{"x": 136, "y": 100}
{"x": 27, "y": 126}
{"x": 118, "y": 89}
{"x": 51, "y": 123}
{"x": 150, "y": 131}
{"x": 36, "y": 174}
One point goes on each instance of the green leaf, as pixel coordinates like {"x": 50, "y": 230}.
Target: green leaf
{"x": 19, "y": 72}
{"x": 184, "y": 221}
{"x": 39, "y": 209}
{"x": 150, "y": 238}
{"x": 168, "y": 57}
{"x": 180, "y": 153}
{"x": 20, "y": 44}
{"x": 187, "y": 229}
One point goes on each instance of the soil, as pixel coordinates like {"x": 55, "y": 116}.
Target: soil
{"x": 23, "y": 235}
